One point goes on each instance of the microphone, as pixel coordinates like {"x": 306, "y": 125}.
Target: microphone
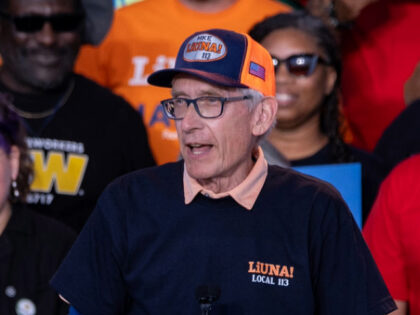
{"x": 206, "y": 296}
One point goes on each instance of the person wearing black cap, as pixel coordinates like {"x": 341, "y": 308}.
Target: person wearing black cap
{"x": 244, "y": 237}
{"x": 81, "y": 135}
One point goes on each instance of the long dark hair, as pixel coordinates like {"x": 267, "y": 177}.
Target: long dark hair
{"x": 13, "y": 133}
{"x": 330, "y": 118}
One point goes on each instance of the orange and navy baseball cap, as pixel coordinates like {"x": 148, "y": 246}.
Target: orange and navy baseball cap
{"x": 224, "y": 58}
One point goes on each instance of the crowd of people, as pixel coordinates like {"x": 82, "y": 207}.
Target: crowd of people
{"x": 147, "y": 157}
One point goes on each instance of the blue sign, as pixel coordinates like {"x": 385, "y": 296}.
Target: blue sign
{"x": 346, "y": 178}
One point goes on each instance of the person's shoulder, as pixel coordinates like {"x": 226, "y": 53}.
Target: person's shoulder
{"x": 408, "y": 168}
{"x": 148, "y": 179}
{"x": 164, "y": 171}
{"x": 401, "y": 188}
{"x": 309, "y": 196}
{"x": 295, "y": 183}
{"x": 134, "y": 12}
{"x": 133, "y": 21}
{"x": 100, "y": 97}
{"x": 95, "y": 90}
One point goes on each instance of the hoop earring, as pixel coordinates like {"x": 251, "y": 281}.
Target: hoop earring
{"x": 15, "y": 189}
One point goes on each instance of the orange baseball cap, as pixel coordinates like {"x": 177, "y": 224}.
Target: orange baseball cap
{"x": 222, "y": 57}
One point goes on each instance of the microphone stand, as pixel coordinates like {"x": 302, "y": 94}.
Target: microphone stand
{"x": 206, "y": 296}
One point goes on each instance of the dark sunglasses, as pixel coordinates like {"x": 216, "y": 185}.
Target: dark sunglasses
{"x": 299, "y": 65}
{"x": 34, "y": 23}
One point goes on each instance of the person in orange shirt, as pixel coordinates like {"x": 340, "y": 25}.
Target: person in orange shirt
{"x": 145, "y": 37}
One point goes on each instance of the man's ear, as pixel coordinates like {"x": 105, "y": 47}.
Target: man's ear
{"x": 264, "y": 116}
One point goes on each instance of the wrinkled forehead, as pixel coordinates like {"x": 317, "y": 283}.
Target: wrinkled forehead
{"x": 44, "y": 7}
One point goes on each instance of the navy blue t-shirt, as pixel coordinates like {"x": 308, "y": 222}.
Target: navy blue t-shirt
{"x": 298, "y": 251}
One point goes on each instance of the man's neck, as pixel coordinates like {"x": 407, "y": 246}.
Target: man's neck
{"x": 208, "y": 6}
{"x": 227, "y": 182}
{"x": 40, "y": 101}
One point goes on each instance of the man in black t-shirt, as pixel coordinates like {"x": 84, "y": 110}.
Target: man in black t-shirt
{"x": 81, "y": 135}
{"x": 221, "y": 231}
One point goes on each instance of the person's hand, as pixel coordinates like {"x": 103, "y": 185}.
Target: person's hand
{"x": 412, "y": 86}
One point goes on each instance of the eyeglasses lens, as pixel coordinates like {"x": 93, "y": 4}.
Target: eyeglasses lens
{"x": 59, "y": 22}
{"x": 175, "y": 107}
{"x": 208, "y": 107}
{"x": 300, "y": 65}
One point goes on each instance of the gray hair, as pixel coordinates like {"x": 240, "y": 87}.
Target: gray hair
{"x": 256, "y": 97}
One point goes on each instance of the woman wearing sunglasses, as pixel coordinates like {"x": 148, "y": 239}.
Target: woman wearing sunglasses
{"x": 308, "y": 67}
{"x": 31, "y": 246}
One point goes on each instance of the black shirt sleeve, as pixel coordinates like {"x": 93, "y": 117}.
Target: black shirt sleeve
{"x": 99, "y": 254}
{"x": 344, "y": 275}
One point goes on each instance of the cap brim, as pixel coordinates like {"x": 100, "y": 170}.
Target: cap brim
{"x": 164, "y": 77}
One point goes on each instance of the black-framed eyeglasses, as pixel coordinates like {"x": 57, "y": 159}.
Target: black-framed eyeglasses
{"x": 205, "y": 106}
{"x": 63, "y": 22}
{"x": 299, "y": 65}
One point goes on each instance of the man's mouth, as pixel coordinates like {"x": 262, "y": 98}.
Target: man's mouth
{"x": 198, "y": 148}
{"x": 47, "y": 59}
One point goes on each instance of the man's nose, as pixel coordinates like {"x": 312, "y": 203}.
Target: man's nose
{"x": 46, "y": 35}
{"x": 191, "y": 120}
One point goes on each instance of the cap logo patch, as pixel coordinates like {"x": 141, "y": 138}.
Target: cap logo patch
{"x": 204, "y": 48}
{"x": 257, "y": 70}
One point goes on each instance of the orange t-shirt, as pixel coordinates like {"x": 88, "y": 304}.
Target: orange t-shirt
{"x": 145, "y": 37}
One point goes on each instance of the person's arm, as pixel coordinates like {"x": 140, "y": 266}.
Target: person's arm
{"x": 383, "y": 233}
{"x": 412, "y": 87}
{"x": 402, "y": 308}
{"x": 338, "y": 253}
{"x": 90, "y": 278}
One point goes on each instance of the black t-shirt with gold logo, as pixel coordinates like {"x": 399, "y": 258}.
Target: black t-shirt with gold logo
{"x": 88, "y": 137}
